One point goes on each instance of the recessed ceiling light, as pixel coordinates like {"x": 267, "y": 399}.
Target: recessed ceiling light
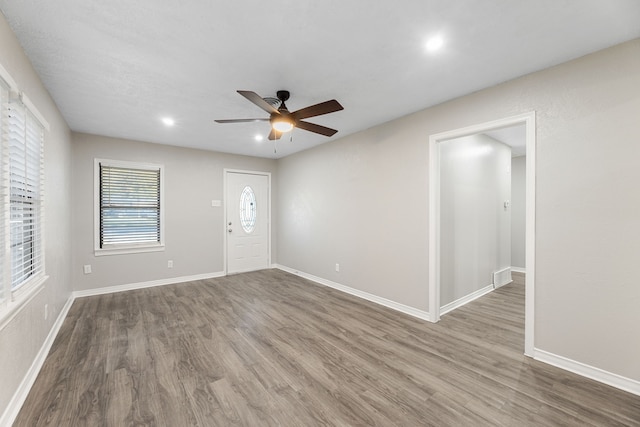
{"x": 168, "y": 121}
{"x": 434, "y": 43}
{"x": 258, "y": 137}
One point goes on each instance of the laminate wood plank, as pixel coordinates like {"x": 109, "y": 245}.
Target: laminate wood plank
{"x": 271, "y": 349}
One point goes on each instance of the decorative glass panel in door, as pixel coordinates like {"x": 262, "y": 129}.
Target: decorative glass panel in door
{"x": 248, "y": 210}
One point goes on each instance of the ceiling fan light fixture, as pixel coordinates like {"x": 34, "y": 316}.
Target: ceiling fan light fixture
{"x": 282, "y": 124}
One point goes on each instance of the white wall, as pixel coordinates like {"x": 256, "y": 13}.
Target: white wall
{"x": 194, "y": 230}
{"x": 518, "y": 211}
{"x": 25, "y": 333}
{"x": 475, "y": 227}
{"x": 362, "y": 201}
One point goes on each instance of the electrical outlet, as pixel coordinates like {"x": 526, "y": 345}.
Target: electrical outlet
{"x": 337, "y": 267}
{"x": 170, "y": 263}
{"x": 87, "y": 269}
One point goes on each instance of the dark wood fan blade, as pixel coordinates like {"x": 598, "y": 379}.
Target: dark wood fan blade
{"x": 241, "y": 120}
{"x": 274, "y": 134}
{"x": 317, "y": 110}
{"x": 256, "y": 99}
{"x": 312, "y": 127}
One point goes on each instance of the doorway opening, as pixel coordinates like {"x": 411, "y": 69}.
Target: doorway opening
{"x": 435, "y": 219}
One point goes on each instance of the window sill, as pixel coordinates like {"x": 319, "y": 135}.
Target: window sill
{"x": 20, "y": 298}
{"x": 128, "y": 250}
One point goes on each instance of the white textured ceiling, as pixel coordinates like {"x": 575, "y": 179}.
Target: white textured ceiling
{"x": 116, "y": 67}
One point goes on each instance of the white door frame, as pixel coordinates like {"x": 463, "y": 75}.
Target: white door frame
{"x": 529, "y": 120}
{"x": 226, "y": 200}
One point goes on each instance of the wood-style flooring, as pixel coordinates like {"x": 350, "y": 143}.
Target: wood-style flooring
{"x": 271, "y": 349}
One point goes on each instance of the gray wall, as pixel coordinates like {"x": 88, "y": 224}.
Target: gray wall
{"x": 362, "y": 201}
{"x": 518, "y": 211}
{"x": 359, "y": 201}
{"x": 475, "y": 227}
{"x": 23, "y": 336}
{"x": 194, "y": 231}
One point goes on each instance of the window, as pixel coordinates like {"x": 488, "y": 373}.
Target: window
{"x": 248, "y": 210}
{"x": 25, "y": 148}
{"x": 22, "y": 131}
{"x": 21, "y": 196}
{"x": 129, "y": 208}
{"x": 5, "y": 266}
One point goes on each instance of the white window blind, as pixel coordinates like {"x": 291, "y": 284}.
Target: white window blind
{"x": 5, "y": 266}
{"x": 25, "y": 170}
{"x": 130, "y": 213}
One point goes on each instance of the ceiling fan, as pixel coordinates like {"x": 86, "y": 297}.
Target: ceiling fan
{"x": 282, "y": 120}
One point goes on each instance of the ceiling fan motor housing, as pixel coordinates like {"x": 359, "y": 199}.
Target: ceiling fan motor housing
{"x": 283, "y": 95}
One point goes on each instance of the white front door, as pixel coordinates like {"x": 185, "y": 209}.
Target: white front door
{"x": 247, "y": 221}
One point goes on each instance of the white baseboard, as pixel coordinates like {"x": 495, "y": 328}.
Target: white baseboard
{"x": 518, "y": 269}
{"x": 597, "y": 374}
{"x": 587, "y": 371}
{"x": 14, "y": 406}
{"x": 12, "y": 410}
{"x": 142, "y": 285}
{"x": 411, "y": 311}
{"x": 465, "y": 299}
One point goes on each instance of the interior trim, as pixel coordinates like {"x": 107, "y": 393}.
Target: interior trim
{"x": 16, "y": 402}
{"x": 225, "y": 198}
{"x": 529, "y": 120}
{"x": 466, "y": 299}
{"x": 582, "y": 369}
{"x": 411, "y": 311}
{"x": 142, "y": 285}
